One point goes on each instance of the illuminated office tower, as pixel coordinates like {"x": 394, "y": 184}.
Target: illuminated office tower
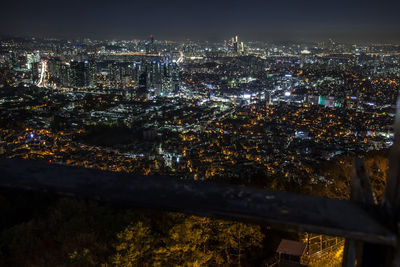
{"x": 175, "y": 77}
{"x": 142, "y": 91}
{"x": 66, "y": 74}
{"x": 80, "y": 73}
{"x": 236, "y": 44}
{"x": 156, "y": 73}
{"x": 92, "y": 74}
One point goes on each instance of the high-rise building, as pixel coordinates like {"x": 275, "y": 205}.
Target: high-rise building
{"x": 236, "y": 44}
{"x": 66, "y": 74}
{"x": 92, "y": 74}
{"x": 80, "y": 73}
{"x": 142, "y": 91}
{"x": 150, "y": 46}
{"x": 156, "y": 72}
{"x": 175, "y": 77}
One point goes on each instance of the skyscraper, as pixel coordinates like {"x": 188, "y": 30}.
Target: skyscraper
{"x": 142, "y": 91}
{"x": 236, "y": 44}
{"x": 150, "y": 45}
{"x": 80, "y": 73}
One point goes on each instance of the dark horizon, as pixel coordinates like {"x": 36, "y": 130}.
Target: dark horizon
{"x": 344, "y": 21}
{"x": 242, "y": 36}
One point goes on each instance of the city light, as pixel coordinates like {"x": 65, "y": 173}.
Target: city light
{"x": 275, "y": 115}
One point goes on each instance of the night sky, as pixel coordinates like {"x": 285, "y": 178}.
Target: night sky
{"x": 302, "y": 20}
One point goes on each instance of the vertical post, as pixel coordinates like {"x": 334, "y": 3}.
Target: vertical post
{"x": 320, "y": 242}
{"x": 360, "y": 191}
{"x": 392, "y": 192}
{"x": 376, "y": 255}
{"x": 349, "y": 254}
{"x": 360, "y": 186}
{"x": 391, "y": 201}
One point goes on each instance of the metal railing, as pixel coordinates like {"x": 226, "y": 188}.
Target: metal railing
{"x": 319, "y": 258}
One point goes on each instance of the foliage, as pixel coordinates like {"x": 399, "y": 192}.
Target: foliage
{"x": 85, "y": 233}
{"x": 194, "y": 241}
{"x": 134, "y": 246}
{"x": 65, "y": 232}
{"x": 108, "y": 135}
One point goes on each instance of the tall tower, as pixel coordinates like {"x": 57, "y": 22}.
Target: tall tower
{"x": 142, "y": 90}
{"x": 150, "y": 47}
{"x": 80, "y": 73}
{"x": 236, "y": 44}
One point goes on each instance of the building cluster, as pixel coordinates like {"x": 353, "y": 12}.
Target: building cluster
{"x": 197, "y": 110}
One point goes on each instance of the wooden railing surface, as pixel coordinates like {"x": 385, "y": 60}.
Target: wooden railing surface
{"x": 279, "y": 209}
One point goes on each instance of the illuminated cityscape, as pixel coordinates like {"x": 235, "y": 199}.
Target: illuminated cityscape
{"x": 197, "y": 110}
{"x": 247, "y": 113}
{"x": 244, "y": 107}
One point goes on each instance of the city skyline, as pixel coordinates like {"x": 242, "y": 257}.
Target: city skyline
{"x": 176, "y": 20}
